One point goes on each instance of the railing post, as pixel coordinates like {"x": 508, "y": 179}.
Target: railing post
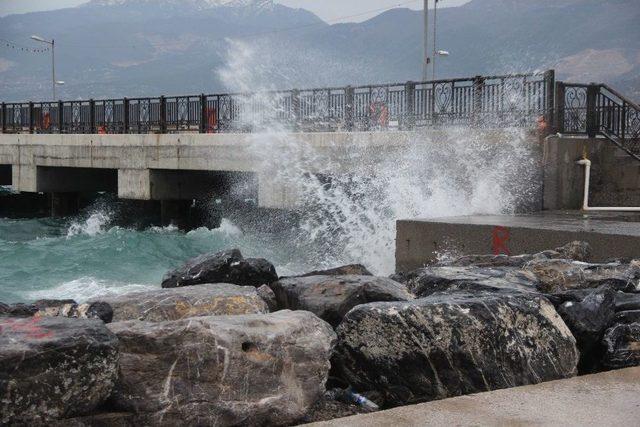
{"x": 31, "y": 117}
{"x": 592, "y": 113}
{"x": 478, "y": 88}
{"x": 295, "y": 107}
{"x": 204, "y": 124}
{"x": 623, "y": 120}
{"x": 549, "y": 87}
{"x": 3, "y": 129}
{"x": 410, "y": 105}
{"x": 559, "y": 107}
{"x": 125, "y": 119}
{"x": 60, "y": 117}
{"x": 92, "y": 116}
{"x": 163, "y": 114}
{"x": 349, "y": 108}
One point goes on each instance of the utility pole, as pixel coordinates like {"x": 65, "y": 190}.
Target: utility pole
{"x": 425, "y": 59}
{"x": 435, "y": 51}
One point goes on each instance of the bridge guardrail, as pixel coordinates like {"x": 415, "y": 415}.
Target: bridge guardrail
{"x": 514, "y": 100}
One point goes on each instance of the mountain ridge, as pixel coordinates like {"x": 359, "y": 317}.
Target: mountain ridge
{"x": 131, "y": 49}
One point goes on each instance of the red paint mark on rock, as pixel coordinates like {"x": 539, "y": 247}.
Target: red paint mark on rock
{"x": 28, "y": 328}
{"x": 501, "y": 236}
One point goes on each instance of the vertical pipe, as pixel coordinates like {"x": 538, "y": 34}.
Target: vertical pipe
{"x": 60, "y": 117}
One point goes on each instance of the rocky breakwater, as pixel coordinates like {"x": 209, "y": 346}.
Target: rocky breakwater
{"x": 228, "y": 342}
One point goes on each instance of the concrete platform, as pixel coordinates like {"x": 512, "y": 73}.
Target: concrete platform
{"x": 611, "y": 235}
{"x": 607, "y": 399}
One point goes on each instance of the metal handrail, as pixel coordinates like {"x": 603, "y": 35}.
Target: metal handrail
{"x": 472, "y": 101}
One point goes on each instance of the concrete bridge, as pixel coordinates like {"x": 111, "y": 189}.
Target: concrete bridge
{"x": 176, "y": 149}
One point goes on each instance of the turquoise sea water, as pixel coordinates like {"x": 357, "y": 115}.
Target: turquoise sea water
{"x": 85, "y": 257}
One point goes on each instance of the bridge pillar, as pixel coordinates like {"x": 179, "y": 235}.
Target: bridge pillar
{"x": 64, "y": 204}
{"x": 178, "y": 213}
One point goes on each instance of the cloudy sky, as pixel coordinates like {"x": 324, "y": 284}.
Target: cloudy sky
{"x": 330, "y": 10}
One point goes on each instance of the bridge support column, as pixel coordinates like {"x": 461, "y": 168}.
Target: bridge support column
{"x": 64, "y": 204}
{"x": 178, "y": 213}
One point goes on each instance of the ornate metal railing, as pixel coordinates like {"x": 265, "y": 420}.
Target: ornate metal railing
{"x": 511, "y": 100}
{"x": 597, "y": 109}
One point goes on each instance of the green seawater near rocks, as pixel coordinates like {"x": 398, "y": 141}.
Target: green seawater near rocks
{"x": 87, "y": 257}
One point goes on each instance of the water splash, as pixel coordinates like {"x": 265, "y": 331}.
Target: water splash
{"x": 96, "y": 223}
{"x": 350, "y": 216}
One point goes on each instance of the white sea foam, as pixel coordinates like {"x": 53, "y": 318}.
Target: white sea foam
{"x": 88, "y": 288}
{"x": 97, "y": 223}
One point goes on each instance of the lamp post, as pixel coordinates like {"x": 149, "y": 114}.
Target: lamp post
{"x": 51, "y": 43}
{"x": 425, "y": 40}
{"x": 436, "y": 52}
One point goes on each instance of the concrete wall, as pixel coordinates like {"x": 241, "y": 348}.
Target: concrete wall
{"x": 161, "y": 167}
{"x": 615, "y": 179}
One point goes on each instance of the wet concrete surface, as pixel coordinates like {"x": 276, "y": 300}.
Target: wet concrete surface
{"x": 606, "y": 399}
{"x": 611, "y": 235}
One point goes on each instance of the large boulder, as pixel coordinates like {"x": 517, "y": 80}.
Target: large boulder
{"x": 224, "y": 370}
{"x": 622, "y": 343}
{"x": 55, "y": 308}
{"x": 453, "y": 344}
{"x": 558, "y": 275}
{"x": 180, "y": 303}
{"x": 54, "y": 367}
{"x": 351, "y": 269}
{"x": 222, "y": 267}
{"x": 331, "y": 297}
{"x": 588, "y": 318}
{"x": 576, "y": 251}
{"x": 426, "y": 281}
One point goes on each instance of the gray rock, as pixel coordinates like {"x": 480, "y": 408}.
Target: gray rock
{"x": 17, "y": 310}
{"x": 426, "y": 281}
{"x": 576, "y": 251}
{"x": 331, "y": 297}
{"x": 269, "y": 297}
{"x": 622, "y": 346}
{"x": 588, "y": 318}
{"x": 94, "y": 310}
{"x": 180, "y": 303}
{"x": 627, "y": 302}
{"x": 222, "y": 267}
{"x": 345, "y": 270}
{"x": 54, "y": 367}
{"x": 626, "y": 317}
{"x": 560, "y": 275}
{"x": 224, "y": 370}
{"x": 449, "y": 345}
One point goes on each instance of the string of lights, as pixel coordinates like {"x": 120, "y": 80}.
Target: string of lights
{"x": 11, "y": 45}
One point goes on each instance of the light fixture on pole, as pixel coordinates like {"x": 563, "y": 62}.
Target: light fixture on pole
{"x": 54, "y": 82}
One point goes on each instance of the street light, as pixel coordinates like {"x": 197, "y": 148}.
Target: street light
{"x": 52, "y": 43}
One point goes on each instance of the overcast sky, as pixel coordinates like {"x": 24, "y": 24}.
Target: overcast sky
{"x": 330, "y": 10}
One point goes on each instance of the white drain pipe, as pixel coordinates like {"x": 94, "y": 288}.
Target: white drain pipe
{"x": 585, "y": 204}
